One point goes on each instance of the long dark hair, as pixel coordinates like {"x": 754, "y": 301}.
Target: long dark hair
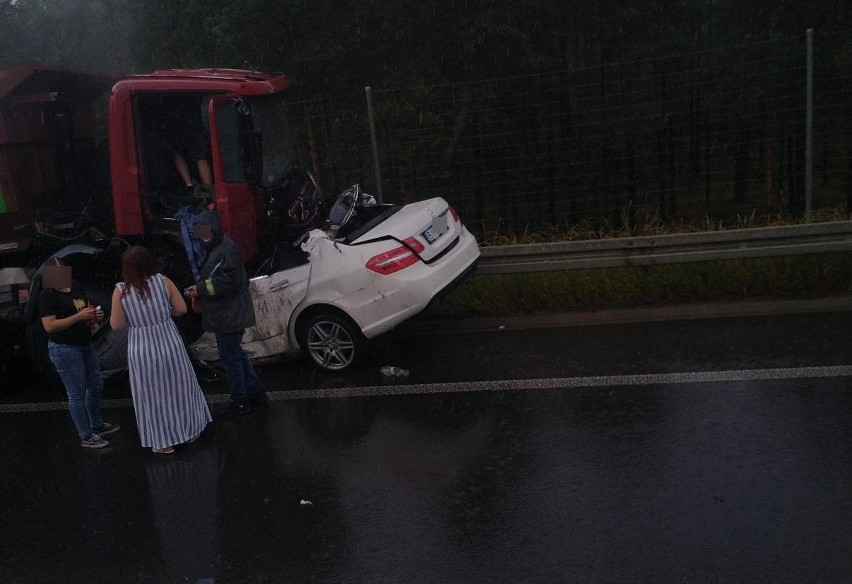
{"x": 137, "y": 265}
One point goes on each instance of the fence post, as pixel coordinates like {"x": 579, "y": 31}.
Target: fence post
{"x": 809, "y": 126}
{"x": 374, "y": 143}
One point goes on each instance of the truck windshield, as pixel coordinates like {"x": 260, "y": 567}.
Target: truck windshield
{"x": 270, "y": 117}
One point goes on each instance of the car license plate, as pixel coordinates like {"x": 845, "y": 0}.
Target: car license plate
{"x": 436, "y": 230}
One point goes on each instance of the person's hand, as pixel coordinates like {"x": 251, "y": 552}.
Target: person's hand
{"x": 191, "y": 291}
{"x": 86, "y": 314}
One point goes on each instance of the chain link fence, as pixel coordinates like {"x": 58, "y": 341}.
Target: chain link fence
{"x": 710, "y": 139}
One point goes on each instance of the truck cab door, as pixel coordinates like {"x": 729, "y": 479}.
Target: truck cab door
{"x": 233, "y": 170}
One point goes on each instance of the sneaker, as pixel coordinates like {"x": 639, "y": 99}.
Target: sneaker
{"x": 107, "y": 428}
{"x": 258, "y": 399}
{"x": 235, "y": 409}
{"x": 93, "y": 441}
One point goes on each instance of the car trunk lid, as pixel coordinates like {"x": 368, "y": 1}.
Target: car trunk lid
{"x": 428, "y": 227}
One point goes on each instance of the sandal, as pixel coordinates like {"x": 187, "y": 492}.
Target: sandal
{"x": 193, "y": 439}
{"x": 166, "y": 450}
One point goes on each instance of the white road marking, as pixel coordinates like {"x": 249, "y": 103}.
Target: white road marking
{"x": 502, "y": 385}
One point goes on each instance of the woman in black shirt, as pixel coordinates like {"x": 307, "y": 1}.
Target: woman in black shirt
{"x": 66, "y": 316}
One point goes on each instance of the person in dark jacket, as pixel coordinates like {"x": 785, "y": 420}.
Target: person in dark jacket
{"x": 226, "y": 310}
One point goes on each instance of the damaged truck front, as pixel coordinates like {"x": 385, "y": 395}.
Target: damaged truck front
{"x": 86, "y": 169}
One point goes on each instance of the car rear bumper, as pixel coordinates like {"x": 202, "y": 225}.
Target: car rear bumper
{"x": 460, "y": 279}
{"x": 392, "y": 299}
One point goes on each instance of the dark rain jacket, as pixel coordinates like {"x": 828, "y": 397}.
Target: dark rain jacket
{"x": 226, "y": 305}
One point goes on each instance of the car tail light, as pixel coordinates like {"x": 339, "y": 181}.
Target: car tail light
{"x": 414, "y": 244}
{"x": 455, "y": 215}
{"x": 396, "y": 259}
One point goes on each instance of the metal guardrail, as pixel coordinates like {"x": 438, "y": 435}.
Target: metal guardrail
{"x": 668, "y": 249}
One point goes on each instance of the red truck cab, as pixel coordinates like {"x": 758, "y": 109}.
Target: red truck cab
{"x": 244, "y": 114}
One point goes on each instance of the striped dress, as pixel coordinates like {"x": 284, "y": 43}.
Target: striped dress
{"x": 170, "y": 406}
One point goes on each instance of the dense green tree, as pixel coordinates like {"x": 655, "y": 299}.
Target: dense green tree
{"x": 608, "y": 111}
{"x": 82, "y": 34}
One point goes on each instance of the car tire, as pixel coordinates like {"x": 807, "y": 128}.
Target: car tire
{"x": 332, "y": 342}
{"x": 10, "y": 343}
{"x": 110, "y": 345}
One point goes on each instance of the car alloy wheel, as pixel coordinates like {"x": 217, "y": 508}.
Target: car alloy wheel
{"x": 332, "y": 343}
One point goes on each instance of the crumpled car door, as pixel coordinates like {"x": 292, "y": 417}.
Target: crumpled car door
{"x": 275, "y": 297}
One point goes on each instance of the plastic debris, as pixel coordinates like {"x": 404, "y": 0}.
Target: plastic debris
{"x": 397, "y": 372}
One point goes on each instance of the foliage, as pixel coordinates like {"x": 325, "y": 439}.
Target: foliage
{"x": 624, "y": 117}
{"x": 91, "y": 35}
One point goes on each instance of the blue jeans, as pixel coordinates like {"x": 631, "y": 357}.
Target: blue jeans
{"x": 242, "y": 379}
{"x": 80, "y": 372}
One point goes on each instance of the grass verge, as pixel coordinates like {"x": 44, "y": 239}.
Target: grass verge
{"x": 794, "y": 277}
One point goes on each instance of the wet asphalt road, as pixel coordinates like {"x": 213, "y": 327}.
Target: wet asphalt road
{"x": 686, "y": 451}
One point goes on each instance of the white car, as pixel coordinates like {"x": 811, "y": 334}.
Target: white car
{"x": 370, "y": 269}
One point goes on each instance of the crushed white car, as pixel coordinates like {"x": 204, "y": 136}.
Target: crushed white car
{"x": 369, "y": 269}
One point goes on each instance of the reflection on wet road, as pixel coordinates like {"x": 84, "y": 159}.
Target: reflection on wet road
{"x": 656, "y": 471}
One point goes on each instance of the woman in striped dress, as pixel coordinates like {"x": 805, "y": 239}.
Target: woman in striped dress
{"x": 170, "y": 406}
